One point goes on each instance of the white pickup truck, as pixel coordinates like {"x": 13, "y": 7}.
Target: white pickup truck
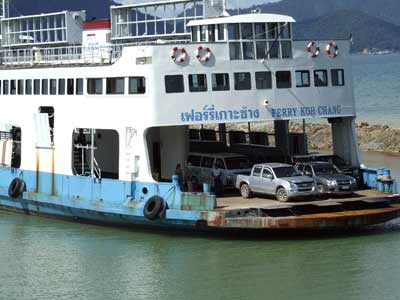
{"x": 280, "y": 180}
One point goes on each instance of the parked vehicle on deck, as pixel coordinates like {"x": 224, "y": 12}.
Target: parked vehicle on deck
{"x": 200, "y": 165}
{"x": 329, "y": 178}
{"x": 280, "y": 180}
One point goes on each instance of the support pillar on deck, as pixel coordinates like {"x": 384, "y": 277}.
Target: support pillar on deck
{"x": 222, "y": 133}
{"x": 282, "y": 136}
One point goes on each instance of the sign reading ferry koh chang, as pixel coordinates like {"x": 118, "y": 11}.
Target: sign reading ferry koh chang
{"x": 306, "y": 111}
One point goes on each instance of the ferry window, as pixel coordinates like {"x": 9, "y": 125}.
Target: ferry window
{"x": 28, "y": 87}
{"x": 79, "y": 86}
{"x": 203, "y": 30}
{"x": 211, "y": 33}
{"x": 247, "y": 31}
{"x": 70, "y": 86}
{"x": 235, "y": 51}
{"x": 53, "y": 87}
{"x": 302, "y": 79}
{"x": 220, "y": 82}
{"x": 221, "y": 32}
{"x": 5, "y": 87}
{"x": 16, "y": 136}
{"x": 194, "y": 160}
{"x": 260, "y": 31}
{"x": 272, "y": 31}
{"x": 274, "y": 49}
{"x": 174, "y": 84}
{"x": 263, "y": 80}
{"x": 95, "y": 86}
{"x": 286, "y": 49}
{"x": 286, "y": 32}
{"x": 261, "y": 50}
{"x": 283, "y": 80}
{"x": 337, "y": 77}
{"x": 321, "y": 78}
{"x": 13, "y": 87}
{"x": 194, "y": 34}
{"x": 137, "y": 85}
{"x": 242, "y": 81}
{"x": 36, "y": 86}
{"x": 248, "y": 50}
{"x": 20, "y": 87}
{"x": 198, "y": 83}
{"x": 116, "y": 86}
{"x": 61, "y": 86}
{"x": 233, "y": 32}
{"x": 45, "y": 86}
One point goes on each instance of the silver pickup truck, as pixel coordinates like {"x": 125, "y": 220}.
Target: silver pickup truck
{"x": 280, "y": 180}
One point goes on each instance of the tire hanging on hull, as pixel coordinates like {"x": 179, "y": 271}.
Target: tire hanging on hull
{"x": 16, "y": 188}
{"x": 154, "y": 208}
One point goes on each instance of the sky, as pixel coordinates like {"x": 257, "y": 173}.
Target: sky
{"x": 231, "y": 3}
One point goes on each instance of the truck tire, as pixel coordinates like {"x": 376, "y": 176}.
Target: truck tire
{"x": 282, "y": 195}
{"x": 245, "y": 191}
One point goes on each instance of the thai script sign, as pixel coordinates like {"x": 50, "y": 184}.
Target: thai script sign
{"x": 209, "y": 113}
{"x": 306, "y": 111}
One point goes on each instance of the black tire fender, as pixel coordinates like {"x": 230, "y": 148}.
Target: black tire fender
{"x": 154, "y": 208}
{"x": 16, "y": 188}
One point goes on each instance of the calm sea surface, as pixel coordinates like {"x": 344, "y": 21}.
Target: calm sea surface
{"x": 50, "y": 259}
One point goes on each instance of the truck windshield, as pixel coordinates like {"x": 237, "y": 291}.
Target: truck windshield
{"x": 237, "y": 163}
{"x": 325, "y": 169}
{"x": 283, "y": 172}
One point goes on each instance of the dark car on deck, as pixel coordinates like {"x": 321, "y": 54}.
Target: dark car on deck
{"x": 330, "y": 180}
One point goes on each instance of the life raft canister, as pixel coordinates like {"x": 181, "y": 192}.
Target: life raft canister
{"x": 332, "y": 49}
{"x": 154, "y": 208}
{"x": 203, "y": 54}
{"x": 16, "y": 188}
{"x": 313, "y": 49}
{"x": 178, "y": 54}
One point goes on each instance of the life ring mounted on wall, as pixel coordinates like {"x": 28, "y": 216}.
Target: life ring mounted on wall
{"x": 203, "y": 54}
{"x": 313, "y": 49}
{"x": 332, "y": 49}
{"x": 178, "y": 54}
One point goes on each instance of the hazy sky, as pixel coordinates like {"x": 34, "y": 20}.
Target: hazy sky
{"x": 242, "y": 3}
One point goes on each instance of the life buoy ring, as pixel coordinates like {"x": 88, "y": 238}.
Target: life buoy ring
{"x": 178, "y": 55}
{"x": 199, "y": 53}
{"x": 154, "y": 208}
{"x": 313, "y": 49}
{"x": 16, "y": 188}
{"x": 332, "y": 49}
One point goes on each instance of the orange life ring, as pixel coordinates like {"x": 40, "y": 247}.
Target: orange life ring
{"x": 332, "y": 49}
{"x": 313, "y": 49}
{"x": 178, "y": 54}
{"x": 199, "y": 53}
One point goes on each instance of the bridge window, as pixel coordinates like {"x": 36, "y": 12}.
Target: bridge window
{"x": 260, "y": 31}
{"x": 198, "y": 83}
{"x": 95, "y": 86}
{"x": 233, "y": 32}
{"x": 320, "y": 78}
{"x": 221, "y": 32}
{"x": 248, "y": 50}
{"x": 235, "y": 51}
{"x": 115, "y": 86}
{"x": 283, "y": 80}
{"x": 263, "y": 80}
{"x": 174, "y": 84}
{"x": 13, "y": 87}
{"x": 274, "y": 49}
{"x": 211, "y": 33}
{"x": 302, "y": 79}
{"x": 70, "y": 86}
{"x": 5, "y": 87}
{"x": 53, "y": 87}
{"x": 220, "y": 82}
{"x": 286, "y": 49}
{"x": 20, "y": 87}
{"x": 28, "y": 87}
{"x": 247, "y": 31}
{"x": 137, "y": 85}
{"x": 337, "y": 77}
{"x": 194, "y": 34}
{"x": 261, "y": 50}
{"x": 79, "y": 86}
{"x": 242, "y": 81}
{"x": 36, "y": 86}
{"x": 61, "y": 86}
{"x": 45, "y": 87}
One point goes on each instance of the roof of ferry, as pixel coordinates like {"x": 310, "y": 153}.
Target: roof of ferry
{"x": 248, "y": 18}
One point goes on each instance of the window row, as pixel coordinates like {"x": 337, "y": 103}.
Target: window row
{"x": 42, "y": 87}
{"x": 71, "y": 86}
{"x": 243, "y": 81}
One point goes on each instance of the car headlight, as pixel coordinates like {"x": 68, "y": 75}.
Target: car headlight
{"x": 293, "y": 187}
{"x": 331, "y": 182}
{"x": 353, "y": 180}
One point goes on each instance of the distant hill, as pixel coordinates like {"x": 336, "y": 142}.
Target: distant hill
{"x": 368, "y": 32}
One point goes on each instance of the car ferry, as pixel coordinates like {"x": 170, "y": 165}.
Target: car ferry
{"x": 97, "y": 114}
